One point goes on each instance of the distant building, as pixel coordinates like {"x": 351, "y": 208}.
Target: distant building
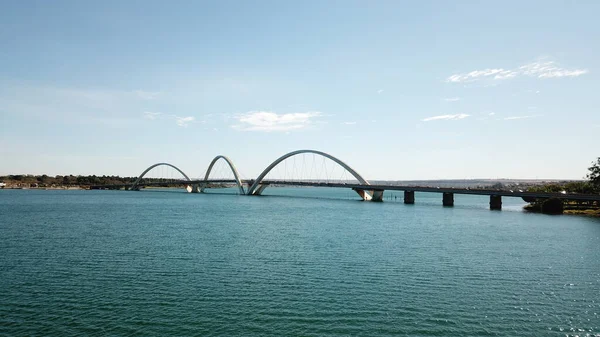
{"x": 2, "y": 184}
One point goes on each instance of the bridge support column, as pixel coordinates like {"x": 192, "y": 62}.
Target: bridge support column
{"x": 448, "y": 199}
{"x": 260, "y": 189}
{"x": 365, "y": 195}
{"x": 495, "y": 202}
{"x": 196, "y": 188}
{"x": 377, "y": 196}
{"x": 409, "y": 197}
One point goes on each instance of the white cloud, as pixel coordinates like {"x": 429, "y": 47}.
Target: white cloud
{"x": 147, "y": 95}
{"x": 520, "y": 117}
{"x": 473, "y": 75}
{"x": 350, "y": 123}
{"x": 445, "y": 117}
{"x": 538, "y": 69}
{"x": 549, "y": 69}
{"x": 452, "y": 99}
{"x": 379, "y": 91}
{"x": 181, "y": 121}
{"x": 151, "y": 115}
{"x": 270, "y": 121}
{"x": 486, "y": 115}
{"x": 506, "y": 74}
{"x": 184, "y": 121}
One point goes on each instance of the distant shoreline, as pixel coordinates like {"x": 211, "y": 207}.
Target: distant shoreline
{"x": 43, "y": 188}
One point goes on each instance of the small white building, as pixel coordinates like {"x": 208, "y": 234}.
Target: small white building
{"x": 2, "y": 185}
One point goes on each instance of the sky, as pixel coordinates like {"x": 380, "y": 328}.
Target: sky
{"x": 398, "y": 90}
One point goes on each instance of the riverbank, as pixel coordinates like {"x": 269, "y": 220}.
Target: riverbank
{"x": 584, "y": 212}
{"x": 588, "y": 212}
{"x": 44, "y": 188}
{"x": 556, "y": 207}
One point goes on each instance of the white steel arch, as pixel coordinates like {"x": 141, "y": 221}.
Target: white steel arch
{"x": 233, "y": 169}
{"x": 260, "y": 178}
{"x": 153, "y": 166}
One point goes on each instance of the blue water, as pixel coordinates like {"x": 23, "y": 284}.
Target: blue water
{"x": 295, "y": 262}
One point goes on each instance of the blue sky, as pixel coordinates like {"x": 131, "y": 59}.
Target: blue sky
{"x": 399, "y": 90}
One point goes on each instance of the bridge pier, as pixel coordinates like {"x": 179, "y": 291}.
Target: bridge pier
{"x": 495, "y": 202}
{"x": 260, "y": 189}
{"x": 196, "y": 188}
{"x": 448, "y": 199}
{"x": 364, "y": 195}
{"x": 409, "y": 197}
{"x": 377, "y": 196}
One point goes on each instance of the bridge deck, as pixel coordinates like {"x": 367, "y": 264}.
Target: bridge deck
{"x": 518, "y": 194}
{"x": 377, "y": 187}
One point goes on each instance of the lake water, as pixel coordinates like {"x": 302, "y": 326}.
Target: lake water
{"x": 296, "y": 262}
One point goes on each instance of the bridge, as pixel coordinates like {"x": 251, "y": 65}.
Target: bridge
{"x": 366, "y": 190}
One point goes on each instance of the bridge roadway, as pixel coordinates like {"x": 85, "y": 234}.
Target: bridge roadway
{"x": 409, "y": 197}
{"x": 453, "y": 190}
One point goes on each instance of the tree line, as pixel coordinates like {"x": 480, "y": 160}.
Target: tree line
{"x": 590, "y": 186}
{"x": 67, "y": 180}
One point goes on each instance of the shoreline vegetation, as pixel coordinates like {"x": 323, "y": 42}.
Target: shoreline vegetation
{"x": 565, "y": 206}
{"x": 546, "y": 206}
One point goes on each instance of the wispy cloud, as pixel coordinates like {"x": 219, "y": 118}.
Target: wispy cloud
{"x": 486, "y": 115}
{"x": 549, "y": 69}
{"x": 445, "y": 117}
{"x": 184, "y": 121}
{"x": 147, "y": 95}
{"x": 520, "y": 117}
{"x": 379, "y": 91}
{"x": 268, "y": 121}
{"x": 452, "y": 99}
{"x": 477, "y": 74}
{"x": 180, "y": 121}
{"x": 151, "y": 115}
{"x": 539, "y": 69}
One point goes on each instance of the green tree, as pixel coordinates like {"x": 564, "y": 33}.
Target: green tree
{"x": 594, "y": 175}
{"x": 584, "y": 187}
{"x": 548, "y": 188}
